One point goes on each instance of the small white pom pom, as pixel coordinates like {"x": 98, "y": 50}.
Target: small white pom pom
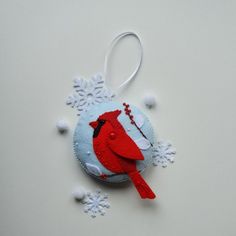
{"x": 79, "y": 193}
{"x": 149, "y": 100}
{"x": 62, "y": 126}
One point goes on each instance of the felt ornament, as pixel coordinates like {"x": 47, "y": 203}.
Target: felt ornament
{"x": 114, "y": 141}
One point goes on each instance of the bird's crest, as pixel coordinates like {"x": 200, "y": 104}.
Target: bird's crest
{"x": 110, "y": 116}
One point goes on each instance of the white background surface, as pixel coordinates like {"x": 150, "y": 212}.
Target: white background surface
{"x": 189, "y": 63}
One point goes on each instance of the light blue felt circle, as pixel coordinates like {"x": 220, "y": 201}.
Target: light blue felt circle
{"x": 83, "y": 137}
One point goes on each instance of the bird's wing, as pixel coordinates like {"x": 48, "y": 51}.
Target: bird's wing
{"x": 125, "y": 147}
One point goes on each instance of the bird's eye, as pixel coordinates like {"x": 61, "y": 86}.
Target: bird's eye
{"x": 101, "y": 121}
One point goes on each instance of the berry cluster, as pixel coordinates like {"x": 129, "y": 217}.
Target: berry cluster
{"x": 131, "y": 117}
{"x": 128, "y": 113}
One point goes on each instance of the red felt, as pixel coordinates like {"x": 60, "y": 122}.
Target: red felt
{"x": 124, "y": 146}
{"x": 118, "y": 152}
{"x": 142, "y": 187}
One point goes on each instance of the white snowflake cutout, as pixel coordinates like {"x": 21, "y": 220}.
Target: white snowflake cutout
{"x": 95, "y": 203}
{"x": 163, "y": 153}
{"x": 88, "y": 92}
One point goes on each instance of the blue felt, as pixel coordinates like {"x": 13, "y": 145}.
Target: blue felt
{"x": 83, "y": 138}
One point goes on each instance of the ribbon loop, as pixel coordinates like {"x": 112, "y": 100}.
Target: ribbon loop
{"x": 109, "y": 51}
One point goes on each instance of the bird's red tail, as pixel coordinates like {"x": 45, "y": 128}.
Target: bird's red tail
{"x": 141, "y": 186}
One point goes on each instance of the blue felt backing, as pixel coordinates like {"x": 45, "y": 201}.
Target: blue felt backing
{"x": 83, "y": 147}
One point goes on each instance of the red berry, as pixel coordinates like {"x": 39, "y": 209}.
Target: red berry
{"x": 103, "y": 176}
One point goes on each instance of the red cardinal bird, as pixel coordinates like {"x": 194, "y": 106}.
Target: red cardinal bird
{"x": 117, "y": 151}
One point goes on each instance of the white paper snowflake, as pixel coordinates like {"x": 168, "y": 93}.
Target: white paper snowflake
{"x": 95, "y": 203}
{"x": 163, "y": 153}
{"x": 88, "y": 92}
